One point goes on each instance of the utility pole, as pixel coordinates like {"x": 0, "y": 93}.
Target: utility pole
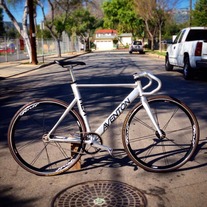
{"x": 190, "y": 16}
{"x": 30, "y": 4}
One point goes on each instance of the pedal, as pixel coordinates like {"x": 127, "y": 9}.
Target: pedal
{"x": 103, "y": 147}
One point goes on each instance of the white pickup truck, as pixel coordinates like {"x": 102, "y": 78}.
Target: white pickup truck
{"x": 188, "y": 50}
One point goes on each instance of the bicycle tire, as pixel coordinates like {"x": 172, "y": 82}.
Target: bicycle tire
{"x": 142, "y": 142}
{"x": 31, "y": 151}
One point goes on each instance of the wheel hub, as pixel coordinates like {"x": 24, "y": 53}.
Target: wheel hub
{"x": 45, "y": 138}
{"x": 158, "y": 135}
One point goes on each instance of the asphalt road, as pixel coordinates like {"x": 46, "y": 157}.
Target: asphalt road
{"x": 185, "y": 187}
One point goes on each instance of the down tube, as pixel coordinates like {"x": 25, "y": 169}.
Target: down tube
{"x": 118, "y": 111}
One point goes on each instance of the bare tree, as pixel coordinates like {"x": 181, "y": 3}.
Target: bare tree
{"x": 95, "y": 7}
{"x": 145, "y": 9}
{"x": 154, "y": 14}
{"x": 56, "y": 20}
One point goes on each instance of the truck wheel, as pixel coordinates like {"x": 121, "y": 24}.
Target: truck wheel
{"x": 168, "y": 66}
{"x": 187, "y": 70}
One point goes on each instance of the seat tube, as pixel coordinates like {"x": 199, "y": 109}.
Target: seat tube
{"x": 81, "y": 109}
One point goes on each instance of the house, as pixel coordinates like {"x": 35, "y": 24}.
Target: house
{"x": 104, "y": 39}
{"x": 125, "y": 39}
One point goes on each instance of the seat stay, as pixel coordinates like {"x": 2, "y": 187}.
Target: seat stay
{"x": 72, "y": 104}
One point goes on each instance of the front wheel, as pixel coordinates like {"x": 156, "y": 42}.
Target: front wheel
{"x": 168, "y": 66}
{"x": 152, "y": 152}
{"x": 27, "y": 143}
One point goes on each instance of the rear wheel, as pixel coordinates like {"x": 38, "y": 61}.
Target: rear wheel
{"x": 30, "y": 148}
{"x": 143, "y": 143}
{"x": 187, "y": 70}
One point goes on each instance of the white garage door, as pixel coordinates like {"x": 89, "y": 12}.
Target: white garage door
{"x": 104, "y": 45}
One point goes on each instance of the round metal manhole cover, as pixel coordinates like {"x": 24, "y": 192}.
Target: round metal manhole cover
{"x": 100, "y": 194}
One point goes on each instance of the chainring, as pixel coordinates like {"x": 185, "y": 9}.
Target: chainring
{"x": 89, "y": 149}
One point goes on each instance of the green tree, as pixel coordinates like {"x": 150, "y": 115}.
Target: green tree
{"x": 170, "y": 29}
{"x": 43, "y": 32}
{"x": 12, "y": 33}
{"x": 82, "y": 24}
{"x": 120, "y": 15}
{"x": 199, "y": 15}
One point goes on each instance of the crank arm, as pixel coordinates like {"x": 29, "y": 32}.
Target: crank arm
{"x": 99, "y": 146}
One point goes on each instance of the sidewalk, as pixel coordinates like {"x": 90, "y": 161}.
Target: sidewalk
{"x": 12, "y": 69}
{"x": 15, "y": 68}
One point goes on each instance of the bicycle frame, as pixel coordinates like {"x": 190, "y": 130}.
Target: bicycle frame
{"x": 138, "y": 91}
{"x": 159, "y": 134}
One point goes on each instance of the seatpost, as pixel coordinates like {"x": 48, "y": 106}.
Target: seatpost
{"x": 70, "y": 68}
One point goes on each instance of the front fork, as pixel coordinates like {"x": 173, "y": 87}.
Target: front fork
{"x": 151, "y": 116}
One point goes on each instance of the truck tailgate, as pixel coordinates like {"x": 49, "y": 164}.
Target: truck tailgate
{"x": 204, "y": 50}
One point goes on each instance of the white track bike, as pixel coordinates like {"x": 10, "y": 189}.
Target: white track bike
{"x": 48, "y": 136}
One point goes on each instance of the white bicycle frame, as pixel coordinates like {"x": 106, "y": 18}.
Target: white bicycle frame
{"x": 138, "y": 91}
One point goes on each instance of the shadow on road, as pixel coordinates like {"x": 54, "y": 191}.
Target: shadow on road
{"x": 54, "y": 83}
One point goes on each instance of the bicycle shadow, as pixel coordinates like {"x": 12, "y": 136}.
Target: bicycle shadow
{"x": 198, "y": 158}
{"x": 104, "y": 160}
{"x": 121, "y": 159}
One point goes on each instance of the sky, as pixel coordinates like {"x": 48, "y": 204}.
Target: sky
{"x": 18, "y": 11}
{"x": 185, "y": 3}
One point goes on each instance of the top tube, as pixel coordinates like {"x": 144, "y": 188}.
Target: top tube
{"x": 137, "y": 77}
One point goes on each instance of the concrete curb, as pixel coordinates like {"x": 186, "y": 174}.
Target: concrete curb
{"x": 35, "y": 67}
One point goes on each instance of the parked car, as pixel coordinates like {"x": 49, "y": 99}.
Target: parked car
{"x": 9, "y": 48}
{"x": 136, "y": 46}
{"x": 188, "y": 51}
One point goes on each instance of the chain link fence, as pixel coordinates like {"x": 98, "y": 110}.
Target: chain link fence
{"x": 15, "y": 49}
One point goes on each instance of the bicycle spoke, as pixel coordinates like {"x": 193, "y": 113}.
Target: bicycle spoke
{"x": 137, "y": 139}
{"x": 26, "y": 145}
{"x": 143, "y": 123}
{"x": 38, "y": 155}
{"x": 173, "y": 114}
{"x": 152, "y": 152}
{"x": 26, "y": 139}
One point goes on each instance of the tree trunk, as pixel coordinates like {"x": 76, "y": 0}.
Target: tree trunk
{"x": 58, "y": 47}
{"x": 87, "y": 42}
{"x": 32, "y": 31}
{"x": 24, "y": 33}
{"x": 160, "y": 37}
{"x": 150, "y": 34}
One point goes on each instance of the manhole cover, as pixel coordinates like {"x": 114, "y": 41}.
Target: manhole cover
{"x": 100, "y": 193}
